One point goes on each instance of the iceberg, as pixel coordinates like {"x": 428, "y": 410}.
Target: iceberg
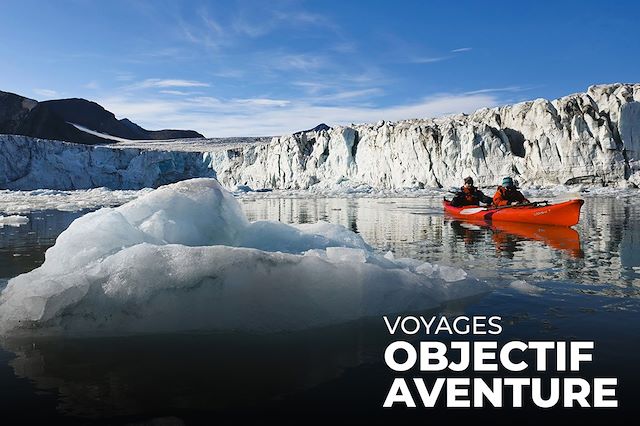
{"x": 185, "y": 257}
{"x": 14, "y": 221}
{"x": 526, "y": 288}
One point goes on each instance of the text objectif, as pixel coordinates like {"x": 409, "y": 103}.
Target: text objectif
{"x": 559, "y": 361}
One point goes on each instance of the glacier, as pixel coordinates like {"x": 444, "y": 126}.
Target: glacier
{"x": 29, "y": 164}
{"x": 590, "y": 138}
{"x": 185, "y": 257}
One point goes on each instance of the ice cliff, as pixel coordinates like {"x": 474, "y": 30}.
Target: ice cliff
{"x": 591, "y": 137}
{"x": 29, "y": 163}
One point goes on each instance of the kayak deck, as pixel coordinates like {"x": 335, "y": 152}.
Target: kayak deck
{"x": 561, "y": 214}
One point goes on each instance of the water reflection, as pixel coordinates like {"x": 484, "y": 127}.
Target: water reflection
{"x": 600, "y": 250}
{"x": 22, "y": 248}
{"x": 510, "y": 237}
{"x": 220, "y": 374}
{"x": 148, "y": 374}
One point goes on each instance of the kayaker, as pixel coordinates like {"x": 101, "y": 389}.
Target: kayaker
{"x": 469, "y": 195}
{"x": 508, "y": 194}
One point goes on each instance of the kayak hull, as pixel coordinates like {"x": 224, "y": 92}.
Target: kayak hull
{"x": 561, "y": 214}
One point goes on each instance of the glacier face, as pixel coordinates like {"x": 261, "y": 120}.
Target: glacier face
{"x": 28, "y": 163}
{"x": 591, "y": 137}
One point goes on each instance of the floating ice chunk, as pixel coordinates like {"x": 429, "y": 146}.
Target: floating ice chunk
{"x": 425, "y": 269}
{"x": 408, "y": 262}
{"x": 17, "y": 202}
{"x": 389, "y": 255}
{"x": 90, "y": 238}
{"x": 451, "y": 274}
{"x": 524, "y": 287}
{"x": 153, "y": 288}
{"x": 346, "y": 254}
{"x": 277, "y": 236}
{"x": 316, "y": 253}
{"x": 242, "y": 188}
{"x": 184, "y": 257}
{"x": 14, "y": 221}
{"x": 338, "y": 234}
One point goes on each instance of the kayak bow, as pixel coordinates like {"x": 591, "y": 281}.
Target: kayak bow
{"x": 562, "y": 214}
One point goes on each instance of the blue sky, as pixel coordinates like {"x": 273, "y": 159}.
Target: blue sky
{"x": 242, "y": 68}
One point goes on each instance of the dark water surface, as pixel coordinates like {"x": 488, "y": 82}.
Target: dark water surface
{"x": 578, "y": 285}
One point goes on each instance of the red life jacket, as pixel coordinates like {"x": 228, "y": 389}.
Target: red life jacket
{"x": 470, "y": 196}
{"x": 504, "y": 196}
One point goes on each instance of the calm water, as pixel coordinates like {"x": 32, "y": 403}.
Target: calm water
{"x": 588, "y": 287}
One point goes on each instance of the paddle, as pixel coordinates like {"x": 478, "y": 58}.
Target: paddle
{"x": 475, "y": 210}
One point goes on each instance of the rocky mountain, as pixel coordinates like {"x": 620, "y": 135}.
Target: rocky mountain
{"x": 54, "y": 120}
{"x": 13, "y": 111}
{"x": 591, "y": 137}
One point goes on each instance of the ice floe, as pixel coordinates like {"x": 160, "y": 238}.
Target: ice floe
{"x": 185, "y": 257}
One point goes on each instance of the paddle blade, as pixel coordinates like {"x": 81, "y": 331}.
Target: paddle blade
{"x": 473, "y": 210}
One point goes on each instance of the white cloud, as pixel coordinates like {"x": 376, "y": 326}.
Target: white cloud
{"x": 47, "y": 93}
{"x": 225, "y": 31}
{"x": 175, "y": 92}
{"x": 429, "y": 60}
{"x": 311, "y": 87}
{"x": 217, "y": 118}
{"x": 306, "y": 18}
{"x": 229, "y": 73}
{"x": 153, "y": 82}
{"x": 350, "y": 84}
{"x": 124, "y": 76}
{"x": 299, "y": 62}
{"x": 92, "y": 85}
{"x": 209, "y": 33}
{"x": 345, "y": 47}
{"x": 350, "y": 94}
{"x": 165, "y": 83}
{"x": 497, "y": 89}
{"x": 261, "y": 24}
{"x": 263, "y": 102}
{"x": 211, "y": 24}
{"x": 251, "y": 29}
{"x": 462, "y": 49}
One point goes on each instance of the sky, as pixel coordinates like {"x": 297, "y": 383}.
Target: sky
{"x": 264, "y": 68}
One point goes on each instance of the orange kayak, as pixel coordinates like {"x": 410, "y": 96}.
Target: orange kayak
{"x": 561, "y": 214}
